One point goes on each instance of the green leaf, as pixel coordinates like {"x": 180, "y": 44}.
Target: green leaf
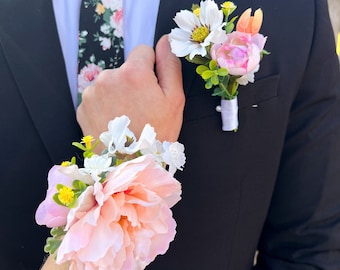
{"x": 95, "y": 144}
{"x": 207, "y": 74}
{"x": 233, "y": 19}
{"x": 208, "y": 84}
{"x": 79, "y": 185}
{"x": 79, "y": 145}
{"x": 229, "y": 27}
{"x": 53, "y": 243}
{"x": 265, "y": 52}
{"x": 198, "y": 60}
{"x": 59, "y": 186}
{"x": 73, "y": 160}
{"x": 217, "y": 92}
{"x": 225, "y": 80}
{"x": 212, "y": 64}
{"x": 214, "y": 80}
{"x": 56, "y": 199}
{"x": 74, "y": 203}
{"x": 107, "y": 15}
{"x": 222, "y": 72}
{"x": 57, "y": 231}
{"x": 201, "y": 68}
{"x": 88, "y": 154}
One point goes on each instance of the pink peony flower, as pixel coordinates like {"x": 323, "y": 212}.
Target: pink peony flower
{"x": 87, "y": 76}
{"x": 49, "y": 213}
{"x": 240, "y": 53}
{"x": 125, "y": 222}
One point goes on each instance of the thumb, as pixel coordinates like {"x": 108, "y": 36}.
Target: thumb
{"x": 168, "y": 68}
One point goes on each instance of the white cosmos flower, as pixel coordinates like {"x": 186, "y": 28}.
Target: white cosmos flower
{"x": 196, "y": 32}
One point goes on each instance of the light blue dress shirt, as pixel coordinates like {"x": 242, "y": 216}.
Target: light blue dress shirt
{"x": 139, "y": 23}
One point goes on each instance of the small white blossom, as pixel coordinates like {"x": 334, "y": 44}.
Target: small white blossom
{"x": 116, "y": 136}
{"x": 95, "y": 165}
{"x": 105, "y": 29}
{"x": 119, "y": 138}
{"x": 112, "y": 4}
{"x": 105, "y": 43}
{"x": 83, "y": 33}
{"x": 74, "y": 172}
{"x": 174, "y": 156}
{"x": 147, "y": 138}
{"x": 249, "y": 77}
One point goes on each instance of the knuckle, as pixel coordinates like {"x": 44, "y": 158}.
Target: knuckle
{"x": 103, "y": 78}
{"x": 86, "y": 95}
{"x": 132, "y": 70}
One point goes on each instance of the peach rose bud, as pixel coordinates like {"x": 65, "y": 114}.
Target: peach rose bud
{"x": 250, "y": 24}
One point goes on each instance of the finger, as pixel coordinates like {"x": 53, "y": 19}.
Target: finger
{"x": 168, "y": 68}
{"x": 142, "y": 55}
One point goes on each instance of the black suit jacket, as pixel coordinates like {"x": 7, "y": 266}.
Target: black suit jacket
{"x": 274, "y": 185}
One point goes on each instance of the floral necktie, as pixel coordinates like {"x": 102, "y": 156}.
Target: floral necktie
{"x": 100, "y": 39}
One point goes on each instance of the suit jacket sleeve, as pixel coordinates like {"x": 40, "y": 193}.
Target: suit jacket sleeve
{"x": 302, "y": 230}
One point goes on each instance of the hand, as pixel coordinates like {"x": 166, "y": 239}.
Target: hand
{"x": 136, "y": 91}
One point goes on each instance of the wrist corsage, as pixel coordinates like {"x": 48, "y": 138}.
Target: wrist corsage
{"x": 226, "y": 58}
{"x": 114, "y": 212}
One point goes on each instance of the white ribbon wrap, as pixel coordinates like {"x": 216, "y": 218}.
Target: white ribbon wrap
{"x": 229, "y": 113}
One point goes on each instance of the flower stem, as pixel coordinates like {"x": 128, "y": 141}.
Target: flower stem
{"x": 229, "y": 87}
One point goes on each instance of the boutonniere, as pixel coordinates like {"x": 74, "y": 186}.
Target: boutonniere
{"x": 226, "y": 58}
{"x": 115, "y": 211}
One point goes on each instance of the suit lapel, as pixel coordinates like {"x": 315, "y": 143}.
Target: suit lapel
{"x": 28, "y": 53}
{"x": 166, "y": 13}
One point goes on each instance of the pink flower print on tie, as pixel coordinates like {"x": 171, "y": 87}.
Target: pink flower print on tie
{"x": 116, "y": 21}
{"x": 100, "y": 39}
{"x": 87, "y": 76}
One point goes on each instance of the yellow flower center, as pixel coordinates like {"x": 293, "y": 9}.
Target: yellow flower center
{"x": 66, "y": 195}
{"x": 87, "y": 140}
{"x": 65, "y": 164}
{"x": 200, "y": 33}
{"x": 197, "y": 11}
{"x": 100, "y": 9}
